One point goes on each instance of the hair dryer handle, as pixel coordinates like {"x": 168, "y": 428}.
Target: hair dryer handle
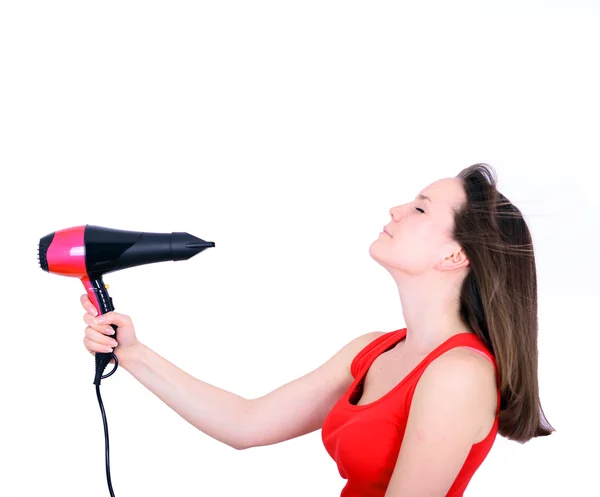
{"x": 98, "y": 295}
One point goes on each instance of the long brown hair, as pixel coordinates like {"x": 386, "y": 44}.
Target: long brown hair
{"x": 498, "y": 298}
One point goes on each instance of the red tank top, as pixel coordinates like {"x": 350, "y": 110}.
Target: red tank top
{"x": 365, "y": 440}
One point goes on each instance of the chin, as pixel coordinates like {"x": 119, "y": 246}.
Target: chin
{"x": 377, "y": 255}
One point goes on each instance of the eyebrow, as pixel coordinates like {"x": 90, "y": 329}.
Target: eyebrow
{"x": 423, "y": 197}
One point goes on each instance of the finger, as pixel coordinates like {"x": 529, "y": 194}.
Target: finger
{"x": 100, "y": 338}
{"x": 112, "y": 361}
{"x": 87, "y": 304}
{"x": 94, "y": 347}
{"x": 101, "y": 327}
{"x": 113, "y": 317}
{"x": 85, "y": 300}
{"x": 97, "y": 342}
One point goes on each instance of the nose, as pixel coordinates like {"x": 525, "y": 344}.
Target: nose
{"x": 395, "y": 212}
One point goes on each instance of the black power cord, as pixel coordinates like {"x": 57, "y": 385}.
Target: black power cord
{"x": 102, "y": 360}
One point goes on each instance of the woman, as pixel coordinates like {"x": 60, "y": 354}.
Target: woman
{"x": 410, "y": 412}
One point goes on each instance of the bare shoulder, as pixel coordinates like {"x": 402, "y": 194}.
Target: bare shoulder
{"x": 462, "y": 363}
{"x": 466, "y": 374}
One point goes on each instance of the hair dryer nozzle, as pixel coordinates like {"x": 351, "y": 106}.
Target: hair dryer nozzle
{"x": 184, "y": 245}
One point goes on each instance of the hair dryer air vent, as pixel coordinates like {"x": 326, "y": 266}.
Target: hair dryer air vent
{"x": 42, "y": 251}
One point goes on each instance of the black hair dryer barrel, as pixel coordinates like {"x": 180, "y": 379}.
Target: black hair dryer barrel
{"x": 109, "y": 250}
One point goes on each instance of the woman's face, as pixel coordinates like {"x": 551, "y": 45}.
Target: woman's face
{"x": 421, "y": 230}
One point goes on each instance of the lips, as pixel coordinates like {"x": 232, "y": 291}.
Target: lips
{"x": 386, "y": 231}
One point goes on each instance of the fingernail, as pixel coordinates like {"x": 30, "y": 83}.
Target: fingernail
{"x": 110, "y": 331}
{"x": 100, "y": 320}
{"x": 93, "y": 311}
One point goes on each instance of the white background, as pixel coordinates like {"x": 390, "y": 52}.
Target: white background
{"x": 283, "y": 132}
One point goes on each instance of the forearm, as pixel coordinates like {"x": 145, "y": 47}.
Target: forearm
{"x": 216, "y": 412}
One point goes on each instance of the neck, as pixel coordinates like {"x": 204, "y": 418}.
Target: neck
{"x": 431, "y": 313}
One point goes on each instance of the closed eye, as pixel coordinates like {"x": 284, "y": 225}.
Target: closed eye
{"x": 421, "y": 210}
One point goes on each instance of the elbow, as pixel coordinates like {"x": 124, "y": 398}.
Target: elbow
{"x": 240, "y": 443}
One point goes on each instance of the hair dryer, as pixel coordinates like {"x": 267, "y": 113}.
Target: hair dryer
{"x": 88, "y": 252}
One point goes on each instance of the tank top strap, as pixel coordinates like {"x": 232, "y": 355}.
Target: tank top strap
{"x": 471, "y": 341}
{"x": 382, "y": 342}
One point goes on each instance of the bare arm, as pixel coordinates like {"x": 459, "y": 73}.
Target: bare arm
{"x": 292, "y": 410}
{"x": 216, "y": 412}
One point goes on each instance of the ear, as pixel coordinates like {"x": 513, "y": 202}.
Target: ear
{"x": 456, "y": 260}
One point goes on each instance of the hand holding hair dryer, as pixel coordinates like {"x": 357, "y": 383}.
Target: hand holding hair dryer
{"x": 89, "y": 252}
